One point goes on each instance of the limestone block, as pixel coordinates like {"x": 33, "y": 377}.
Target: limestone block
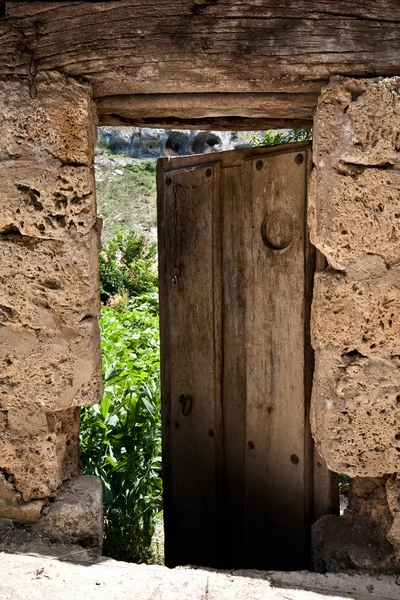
{"x": 362, "y": 216}
{"x": 38, "y": 455}
{"x": 51, "y": 370}
{"x": 57, "y": 125}
{"x": 48, "y": 201}
{"x": 342, "y": 544}
{"x": 77, "y": 513}
{"x": 393, "y": 498}
{"x": 8, "y": 493}
{"x": 358, "y": 121}
{"x": 48, "y": 284}
{"x": 368, "y": 500}
{"x": 354, "y": 197}
{"x": 25, "y": 513}
{"x": 359, "y": 313}
{"x": 355, "y": 412}
{"x": 50, "y": 362}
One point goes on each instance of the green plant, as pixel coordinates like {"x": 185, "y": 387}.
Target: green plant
{"x": 121, "y": 436}
{"x": 344, "y": 481}
{"x": 274, "y": 138}
{"x": 102, "y": 146}
{"x": 127, "y": 266}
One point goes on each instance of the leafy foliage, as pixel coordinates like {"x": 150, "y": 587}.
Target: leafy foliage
{"x": 127, "y": 266}
{"x": 121, "y": 436}
{"x": 103, "y": 146}
{"x": 344, "y": 481}
{"x": 286, "y": 136}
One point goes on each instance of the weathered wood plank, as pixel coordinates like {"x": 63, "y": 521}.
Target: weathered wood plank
{"x": 191, "y": 340}
{"x": 326, "y": 489}
{"x": 230, "y": 158}
{"x": 207, "y": 124}
{"x": 234, "y": 372}
{"x": 278, "y": 482}
{"x": 197, "y": 110}
{"x": 190, "y": 46}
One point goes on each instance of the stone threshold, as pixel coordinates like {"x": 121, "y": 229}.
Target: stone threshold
{"x": 76, "y": 574}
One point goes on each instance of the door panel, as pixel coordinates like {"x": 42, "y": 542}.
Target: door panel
{"x": 236, "y": 270}
{"x": 276, "y": 462}
{"x": 190, "y": 228}
{"x": 234, "y": 373}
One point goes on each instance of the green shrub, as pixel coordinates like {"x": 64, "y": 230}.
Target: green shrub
{"x": 127, "y": 266}
{"x": 274, "y": 138}
{"x": 102, "y": 146}
{"x": 121, "y": 436}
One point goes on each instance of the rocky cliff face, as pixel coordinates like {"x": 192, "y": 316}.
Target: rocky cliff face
{"x": 152, "y": 143}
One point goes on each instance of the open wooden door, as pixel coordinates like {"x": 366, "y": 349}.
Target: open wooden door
{"x": 236, "y": 273}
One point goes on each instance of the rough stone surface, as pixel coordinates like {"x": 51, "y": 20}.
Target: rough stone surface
{"x": 393, "y": 499}
{"x": 341, "y": 544}
{"x": 354, "y": 210}
{"x": 355, "y": 413}
{"x": 354, "y": 214}
{"x": 51, "y": 201}
{"x": 366, "y": 537}
{"x": 47, "y": 284}
{"x": 25, "y": 513}
{"x": 39, "y": 450}
{"x": 367, "y": 500}
{"x": 58, "y": 124}
{"x": 358, "y": 313}
{"x": 76, "y": 515}
{"x": 53, "y": 371}
{"x": 356, "y": 152}
{"x": 50, "y": 362}
{"x": 8, "y": 493}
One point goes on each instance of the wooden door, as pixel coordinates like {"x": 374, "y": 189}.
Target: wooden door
{"x": 236, "y": 274}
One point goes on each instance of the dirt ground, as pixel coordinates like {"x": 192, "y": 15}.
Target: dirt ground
{"x": 34, "y": 577}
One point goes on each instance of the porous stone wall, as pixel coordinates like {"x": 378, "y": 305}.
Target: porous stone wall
{"x": 354, "y": 216}
{"x": 50, "y": 361}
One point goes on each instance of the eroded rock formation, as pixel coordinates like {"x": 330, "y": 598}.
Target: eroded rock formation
{"x": 354, "y": 215}
{"x": 50, "y": 361}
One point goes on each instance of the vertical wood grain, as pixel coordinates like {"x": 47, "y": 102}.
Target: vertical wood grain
{"x": 234, "y": 372}
{"x": 192, "y": 366}
{"x": 276, "y": 465}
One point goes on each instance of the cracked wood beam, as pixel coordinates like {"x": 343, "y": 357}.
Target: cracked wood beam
{"x": 210, "y": 111}
{"x": 188, "y": 46}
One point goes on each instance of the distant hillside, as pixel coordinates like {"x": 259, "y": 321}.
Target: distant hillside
{"x": 126, "y": 194}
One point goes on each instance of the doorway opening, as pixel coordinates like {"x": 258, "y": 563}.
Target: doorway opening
{"x": 122, "y": 437}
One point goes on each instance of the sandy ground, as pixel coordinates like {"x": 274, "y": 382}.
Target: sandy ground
{"x": 30, "y": 577}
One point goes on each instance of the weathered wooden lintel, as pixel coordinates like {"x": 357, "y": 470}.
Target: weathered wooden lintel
{"x": 208, "y": 111}
{"x": 202, "y": 46}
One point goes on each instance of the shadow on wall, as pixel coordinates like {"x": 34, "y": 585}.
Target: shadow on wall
{"x": 153, "y": 143}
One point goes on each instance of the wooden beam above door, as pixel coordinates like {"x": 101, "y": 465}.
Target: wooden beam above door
{"x": 208, "y": 111}
{"x": 202, "y": 46}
